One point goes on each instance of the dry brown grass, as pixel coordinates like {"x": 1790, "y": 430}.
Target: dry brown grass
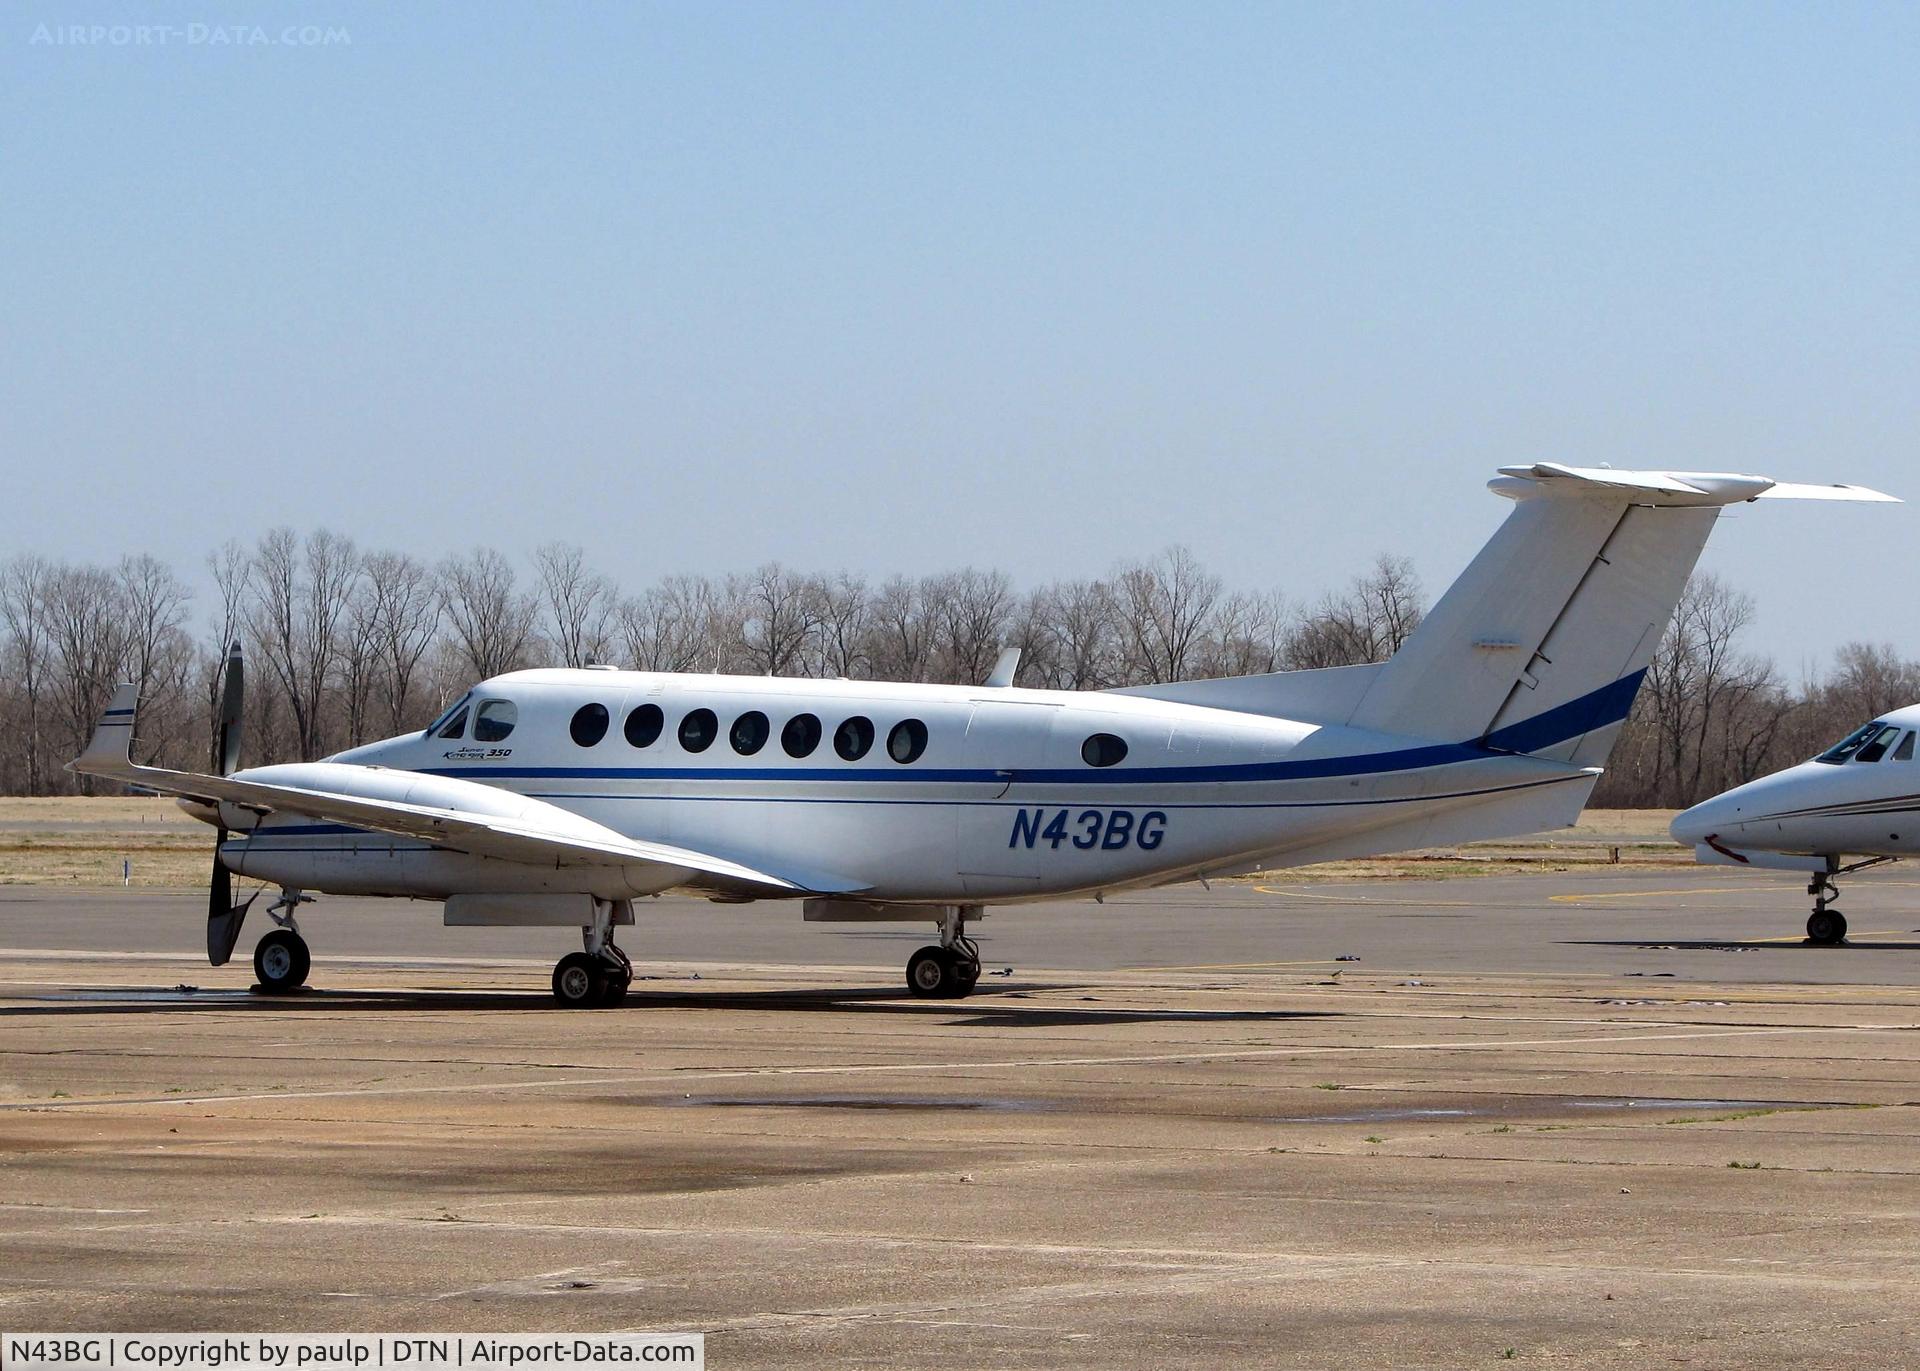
{"x": 75, "y": 840}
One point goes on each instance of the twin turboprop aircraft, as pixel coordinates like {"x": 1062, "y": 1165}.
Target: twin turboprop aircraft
{"x": 1858, "y": 800}
{"x": 558, "y": 798}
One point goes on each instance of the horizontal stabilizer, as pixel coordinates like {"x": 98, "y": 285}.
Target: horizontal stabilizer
{"x": 1669, "y": 487}
{"x": 1794, "y": 490}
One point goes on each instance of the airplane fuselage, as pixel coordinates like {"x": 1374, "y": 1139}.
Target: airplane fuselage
{"x": 900, "y": 792}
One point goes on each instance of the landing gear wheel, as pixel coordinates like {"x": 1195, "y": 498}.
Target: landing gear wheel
{"x": 967, "y": 969}
{"x": 933, "y": 973}
{"x": 615, "y": 977}
{"x": 580, "y": 981}
{"x": 281, "y": 962}
{"x": 1826, "y": 928}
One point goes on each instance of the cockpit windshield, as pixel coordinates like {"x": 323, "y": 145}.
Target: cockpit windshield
{"x": 1866, "y": 744}
{"x": 455, "y": 710}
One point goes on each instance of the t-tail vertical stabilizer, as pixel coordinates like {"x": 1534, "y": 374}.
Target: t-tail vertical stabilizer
{"x": 1541, "y": 643}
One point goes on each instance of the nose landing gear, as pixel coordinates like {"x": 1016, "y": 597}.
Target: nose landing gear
{"x": 281, "y": 959}
{"x": 1827, "y": 927}
{"x": 951, "y": 970}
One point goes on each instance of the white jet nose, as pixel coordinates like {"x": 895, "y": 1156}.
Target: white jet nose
{"x": 1705, "y": 819}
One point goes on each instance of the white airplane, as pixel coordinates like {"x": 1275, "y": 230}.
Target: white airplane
{"x": 1859, "y": 799}
{"x": 556, "y": 798}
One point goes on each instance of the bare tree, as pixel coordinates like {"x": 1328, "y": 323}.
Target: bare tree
{"x": 23, "y": 591}
{"x": 492, "y": 622}
{"x": 1078, "y": 647}
{"x": 87, "y": 638}
{"x": 901, "y": 641}
{"x": 152, "y": 603}
{"x": 579, "y": 605}
{"x": 1870, "y": 679}
{"x": 843, "y": 635}
{"x": 406, "y": 616}
{"x": 1697, "y": 684}
{"x": 782, "y": 611}
{"x": 665, "y": 627}
{"x": 1166, "y": 609}
{"x": 232, "y": 570}
{"x": 1250, "y": 636}
{"x": 1365, "y": 623}
{"x": 976, "y": 614}
{"x": 299, "y": 603}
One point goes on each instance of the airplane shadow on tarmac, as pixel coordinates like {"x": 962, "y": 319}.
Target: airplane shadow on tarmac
{"x": 1740, "y": 945}
{"x": 979, "y": 1011}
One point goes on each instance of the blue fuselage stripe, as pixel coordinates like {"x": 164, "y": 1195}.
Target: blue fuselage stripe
{"x": 1597, "y": 709}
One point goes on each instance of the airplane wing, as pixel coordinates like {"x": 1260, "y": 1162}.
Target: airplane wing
{"x": 448, "y": 812}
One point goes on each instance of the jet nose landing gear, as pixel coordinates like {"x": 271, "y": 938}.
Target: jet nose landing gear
{"x": 1826, "y": 926}
{"x": 951, "y": 970}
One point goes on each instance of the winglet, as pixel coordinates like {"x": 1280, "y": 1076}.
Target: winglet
{"x": 110, "y": 751}
{"x": 1003, "y": 670}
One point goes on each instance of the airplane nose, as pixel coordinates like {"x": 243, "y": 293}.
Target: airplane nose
{"x": 1723, "y": 814}
{"x": 1688, "y": 827}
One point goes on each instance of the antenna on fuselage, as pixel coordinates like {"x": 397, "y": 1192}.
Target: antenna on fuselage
{"x": 1002, "y": 674}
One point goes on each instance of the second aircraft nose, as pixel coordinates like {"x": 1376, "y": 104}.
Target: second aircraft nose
{"x": 1689, "y": 826}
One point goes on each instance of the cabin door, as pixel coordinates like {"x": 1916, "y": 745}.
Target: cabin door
{"x": 1004, "y": 738}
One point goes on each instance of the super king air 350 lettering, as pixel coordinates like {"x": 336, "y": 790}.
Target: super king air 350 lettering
{"x": 556, "y": 798}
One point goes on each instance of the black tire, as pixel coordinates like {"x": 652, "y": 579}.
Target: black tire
{"x": 1826, "y": 928}
{"x": 579, "y": 981}
{"x": 932, "y": 973}
{"x": 613, "y": 986}
{"x": 966, "y": 977}
{"x": 281, "y": 962}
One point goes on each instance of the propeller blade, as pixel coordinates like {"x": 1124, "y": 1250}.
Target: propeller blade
{"x": 224, "y": 917}
{"x": 233, "y": 699}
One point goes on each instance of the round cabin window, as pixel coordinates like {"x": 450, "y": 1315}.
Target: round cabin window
{"x": 749, "y": 733}
{"x": 801, "y": 735}
{"x": 907, "y": 741}
{"x": 852, "y": 739}
{"x": 589, "y": 724}
{"x": 644, "y": 725}
{"x": 697, "y": 729}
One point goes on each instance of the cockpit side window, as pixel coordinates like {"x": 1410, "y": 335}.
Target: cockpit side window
{"x": 1876, "y": 747}
{"x": 1904, "y": 752}
{"x": 1849, "y": 745}
{"x": 455, "y": 711}
{"x": 494, "y": 720}
{"x": 455, "y": 727}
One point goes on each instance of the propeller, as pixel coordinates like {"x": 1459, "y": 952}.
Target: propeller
{"x": 224, "y": 917}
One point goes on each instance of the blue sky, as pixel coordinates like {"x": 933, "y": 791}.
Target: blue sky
{"x": 900, "y": 287}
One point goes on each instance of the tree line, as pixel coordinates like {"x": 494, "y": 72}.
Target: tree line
{"x": 346, "y": 645}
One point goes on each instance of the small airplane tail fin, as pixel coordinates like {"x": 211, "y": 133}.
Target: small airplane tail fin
{"x": 110, "y": 751}
{"x": 1540, "y": 645}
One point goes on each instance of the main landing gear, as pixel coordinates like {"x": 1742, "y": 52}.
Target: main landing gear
{"x": 1827, "y": 927}
{"x": 281, "y": 960}
{"x": 598, "y": 977}
{"x": 951, "y": 970}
